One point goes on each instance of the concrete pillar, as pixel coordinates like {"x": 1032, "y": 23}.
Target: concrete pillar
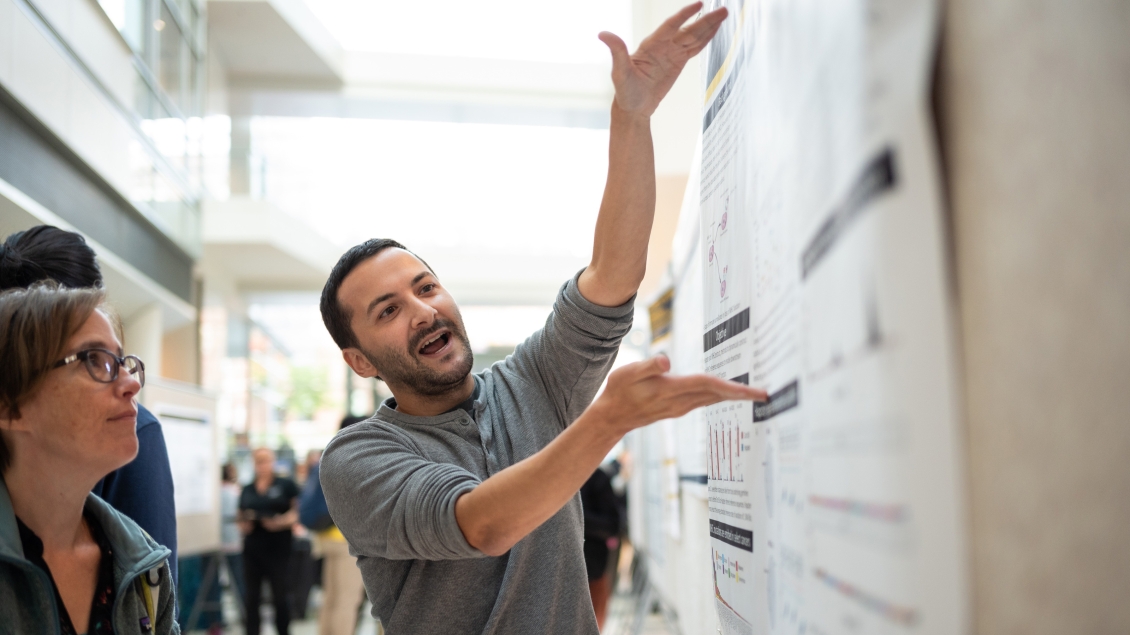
{"x": 1035, "y": 128}
{"x": 144, "y": 335}
{"x": 240, "y": 167}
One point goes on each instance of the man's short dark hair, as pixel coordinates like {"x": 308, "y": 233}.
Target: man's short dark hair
{"x": 45, "y": 252}
{"x": 334, "y": 315}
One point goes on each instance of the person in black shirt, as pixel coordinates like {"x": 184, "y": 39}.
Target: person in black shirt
{"x": 603, "y": 524}
{"x": 268, "y": 509}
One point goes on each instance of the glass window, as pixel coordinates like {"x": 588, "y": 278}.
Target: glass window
{"x": 129, "y": 17}
{"x": 169, "y": 71}
{"x": 143, "y": 98}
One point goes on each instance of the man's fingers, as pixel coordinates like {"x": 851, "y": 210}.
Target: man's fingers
{"x": 701, "y": 29}
{"x": 707, "y": 384}
{"x": 672, "y": 24}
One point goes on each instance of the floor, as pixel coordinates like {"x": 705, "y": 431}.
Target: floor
{"x": 621, "y": 612}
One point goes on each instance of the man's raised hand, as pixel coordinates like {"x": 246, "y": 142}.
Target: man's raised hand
{"x": 642, "y": 393}
{"x": 643, "y": 78}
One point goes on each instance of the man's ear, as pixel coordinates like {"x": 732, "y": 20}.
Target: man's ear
{"x": 359, "y": 363}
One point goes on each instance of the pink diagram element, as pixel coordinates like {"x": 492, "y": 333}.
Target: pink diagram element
{"x": 723, "y": 288}
{"x": 710, "y": 256}
{"x": 722, "y": 225}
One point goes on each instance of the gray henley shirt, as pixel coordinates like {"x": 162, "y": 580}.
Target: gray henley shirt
{"x": 391, "y": 484}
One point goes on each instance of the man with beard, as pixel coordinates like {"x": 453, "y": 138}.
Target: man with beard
{"x": 459, "y": 496}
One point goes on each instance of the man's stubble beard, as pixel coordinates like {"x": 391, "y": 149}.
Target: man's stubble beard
{"x": 399, "y": 368}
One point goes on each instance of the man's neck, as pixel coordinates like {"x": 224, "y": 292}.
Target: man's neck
{"x": 412, "y": 403}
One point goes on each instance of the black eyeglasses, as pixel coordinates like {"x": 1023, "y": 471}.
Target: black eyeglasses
{"x": 103, "y": 365}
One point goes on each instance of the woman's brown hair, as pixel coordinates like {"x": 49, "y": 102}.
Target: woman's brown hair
{"x": 35, "y": 324}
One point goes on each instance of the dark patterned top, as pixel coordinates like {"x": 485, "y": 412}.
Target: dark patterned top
{"x": 102, "y": 606}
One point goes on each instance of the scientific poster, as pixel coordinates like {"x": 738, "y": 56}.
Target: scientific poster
{"x": 189, "y": 438}
{"x": 834, "y": 507}
{"x": 727, "y": 342}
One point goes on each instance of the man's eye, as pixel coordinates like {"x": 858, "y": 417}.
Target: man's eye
{"x": 387, "y": 312}
{"x": 427, "y": 287}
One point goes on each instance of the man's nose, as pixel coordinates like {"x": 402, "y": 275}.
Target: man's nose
{"x": 423, "y": 314}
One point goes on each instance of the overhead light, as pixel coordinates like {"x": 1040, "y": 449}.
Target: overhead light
{"x": 159, "y": 25}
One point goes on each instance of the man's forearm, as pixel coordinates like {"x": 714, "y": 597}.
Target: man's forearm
{"x": 623, "y": 227}
{"x": 509, "y": 505}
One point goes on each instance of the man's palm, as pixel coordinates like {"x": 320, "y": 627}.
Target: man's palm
{"x": 643, "y": 78}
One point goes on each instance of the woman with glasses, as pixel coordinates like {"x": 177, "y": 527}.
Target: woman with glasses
{"x": 69, "y": 563}
{"x": 142, "y": 489}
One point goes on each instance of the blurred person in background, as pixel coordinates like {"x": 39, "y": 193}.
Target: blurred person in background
{"x": 603, "y": 524}
{"x": 142, "y": 489}
{"x": 343, "y": 591}
{"x": 230, "y": 536}
{"x": 305, "y": 561}
{"x": 460, "y": 495}
{"x": 268, "y": 510}
{"x": 70, "y": 563}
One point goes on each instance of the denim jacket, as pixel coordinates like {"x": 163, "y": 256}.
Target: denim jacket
{"x": 141, "y": 578}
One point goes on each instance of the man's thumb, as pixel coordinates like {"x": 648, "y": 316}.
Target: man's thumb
{"x": 657, "y": 365}
{"x": 620, "y": 56}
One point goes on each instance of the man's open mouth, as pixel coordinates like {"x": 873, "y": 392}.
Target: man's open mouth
{"x": 436, "y": 343}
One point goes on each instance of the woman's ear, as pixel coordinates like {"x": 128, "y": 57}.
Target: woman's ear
{"x": 9, "y": 418}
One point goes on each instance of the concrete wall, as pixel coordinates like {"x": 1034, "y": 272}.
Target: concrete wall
{"x": 1035, "y": 125}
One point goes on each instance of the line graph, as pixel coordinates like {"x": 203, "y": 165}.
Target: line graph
{"x": 906, "y": 616}
{"x": 884, "y": 525}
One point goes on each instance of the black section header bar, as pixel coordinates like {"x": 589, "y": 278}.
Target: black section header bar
{"x": 740, "y": 538}
{"x": 725, "y": 330}
{"x": 878, "y": 177}
{"x": 784, "y": 399}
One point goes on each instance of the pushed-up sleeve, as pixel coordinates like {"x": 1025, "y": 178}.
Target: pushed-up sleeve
{"x": 572, "y": 354}
{"x": 391, "y": 502}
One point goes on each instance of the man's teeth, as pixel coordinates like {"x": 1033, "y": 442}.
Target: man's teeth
{"x": 431, "y": 341}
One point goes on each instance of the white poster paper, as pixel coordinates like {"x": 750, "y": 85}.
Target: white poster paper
{"x": 834, "y": 507}
{"x": 189, "y": 439}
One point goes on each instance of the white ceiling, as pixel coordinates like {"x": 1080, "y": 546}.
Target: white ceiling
{"x": 505, "y": 214}
{"x": 524, "y": 30}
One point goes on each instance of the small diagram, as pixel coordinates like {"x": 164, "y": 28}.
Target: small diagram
{"x": 714, "y": 252}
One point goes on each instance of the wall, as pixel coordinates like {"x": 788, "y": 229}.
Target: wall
{"x": 1035, "y": 105}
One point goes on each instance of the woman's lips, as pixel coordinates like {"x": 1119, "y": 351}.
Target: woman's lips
{"x": 126, "y": 414}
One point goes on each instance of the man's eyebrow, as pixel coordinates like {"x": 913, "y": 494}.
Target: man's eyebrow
{"x": 374, "y": 303}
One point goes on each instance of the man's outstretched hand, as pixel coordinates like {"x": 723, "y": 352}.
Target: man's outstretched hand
{"x": 643, "y": 78}
{"x": 642, "y": 393}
